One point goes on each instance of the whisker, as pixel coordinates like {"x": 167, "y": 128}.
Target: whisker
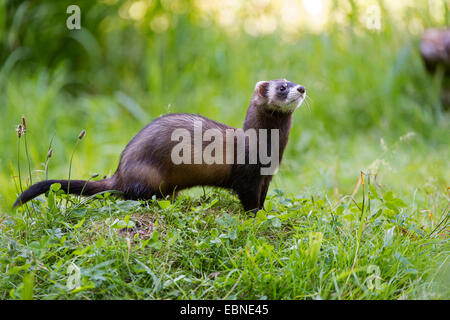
{"x": 307, "y": 105}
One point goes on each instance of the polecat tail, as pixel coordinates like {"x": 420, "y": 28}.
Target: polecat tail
{"x": 81, "y": 187}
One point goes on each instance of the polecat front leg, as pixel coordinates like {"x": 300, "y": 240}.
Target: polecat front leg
{"x": 252, "y": 194}
{"x": 250, "y": 201}
{"x": 249, "y": 193}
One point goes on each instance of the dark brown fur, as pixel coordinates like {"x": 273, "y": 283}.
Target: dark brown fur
{"x": 146, "y": 169}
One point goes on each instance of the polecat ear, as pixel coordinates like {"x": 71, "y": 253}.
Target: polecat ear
{"x": 262, "y": 88}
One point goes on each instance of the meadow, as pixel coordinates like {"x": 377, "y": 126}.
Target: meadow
{"x": 358, "y": 210}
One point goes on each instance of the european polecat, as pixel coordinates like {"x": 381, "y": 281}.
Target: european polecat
{"x": 157, "y": 162}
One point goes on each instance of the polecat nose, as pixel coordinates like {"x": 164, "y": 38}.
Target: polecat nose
{"x": 301, "y": 89}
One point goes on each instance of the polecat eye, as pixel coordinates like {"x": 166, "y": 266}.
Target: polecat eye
{"x": 282, "y": 88}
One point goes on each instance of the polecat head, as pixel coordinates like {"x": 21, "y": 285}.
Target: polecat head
{"x": 279, "y": 95}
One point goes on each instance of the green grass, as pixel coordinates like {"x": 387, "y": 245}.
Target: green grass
{"x": 372, "y": 107}
{"x": 317, "y": 244}
{"x": 206, "y": 247}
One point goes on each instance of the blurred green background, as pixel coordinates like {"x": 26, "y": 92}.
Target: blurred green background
{"x": 372, "y": 105}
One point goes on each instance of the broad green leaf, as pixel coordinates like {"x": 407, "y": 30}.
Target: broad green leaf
{"x": 124, "y": 224}
{"x": 391, "y": 206}
{"x": 154, "y": 241}
{"x": 55, "y": 187}
{"x": 261, "y": 215}
{"x": 164, "y": 204}
{"x": 399, "y": 202}
{"x": 268, "y": 206}
{"x": 388, "y": 196}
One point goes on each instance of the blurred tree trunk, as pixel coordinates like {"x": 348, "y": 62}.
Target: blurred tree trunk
{"x": 435, "y": 51}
